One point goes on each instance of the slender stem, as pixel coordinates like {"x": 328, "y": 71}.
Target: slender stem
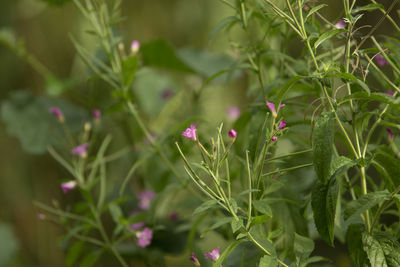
{"x": 250, "y": 195}
{"x": 289, "y": 169}
{"x": 364, "y": 192}
{"x": 263, "y": 249}
{"x": 289, "y": 155}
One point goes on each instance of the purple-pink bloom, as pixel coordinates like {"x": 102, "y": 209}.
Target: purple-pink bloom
{"x": 190, "y": 133}
{"x": 271, "y": 107}
{"x": 145, "y": 198}
{"x": 232, "y": 134}
{"x": 144, "y": 237}
{"x": 68, "y": 186}
{"x": 282, "y": 125}
{"x": 213, "y": 255}
{"x": 233, "y": 113}
{"x": 135, "y": 46}
{"x": 340, "y": 24}
{"x": 80, "y": 150}
{"x": 57, "y": 113}
{"x": 96, "y": 114}
{"x": 390, "y": 134}
{"x": 173, "y": 216}
{"x": 380, "y": 60}
{"x": 389, "y": 93}
{"x": 194, "y": 259}
{"x": 273, "y": 138}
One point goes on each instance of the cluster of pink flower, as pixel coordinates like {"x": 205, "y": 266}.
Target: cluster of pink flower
{"x": 212, "y": 255}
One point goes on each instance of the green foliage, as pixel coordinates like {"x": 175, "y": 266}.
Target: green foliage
{"x": 355, "y": 244}
{"x": 322, "y": 143}
{"x": 8, "y": 245}
{"x": 365, "y": 202}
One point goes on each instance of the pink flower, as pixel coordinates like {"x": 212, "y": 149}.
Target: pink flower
{"x": 57, "y": 113}
{"x": 96, "y": 115}
{"x": 194, "y": 259}
{"x": 138, "y": 225}
{"x": 167, "y": 93}
{"x": 273, "y": 138}
{"x": 144, "y": 237}
{"x": 282, "y": 125}
{"x": 80, "y": 150}
{"x": 68, "y": 186}
{"x": 271, "y": 107}
{"x": 135, "y": 46}
{"x": 173, "y": 216}
{"x": 390, "y": 134}
{"x": 340, "y": 24}
{"x": 389, "y": 93}
{"x": 190, "y": 133}
{"x": 380, "y": 60}
{"x": 232, "y": 134}
{"x": 41, "y": 216}
{"x": 145, "y": 198}
{"x": 234, "y": 113}
{"x": 213, "y": 255}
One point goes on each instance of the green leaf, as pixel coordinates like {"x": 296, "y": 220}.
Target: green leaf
{"x": 327, "y": 35}
{"x": 236, "y": 225}
{"x": 369, "y": 7}
{"x": 374, "y": 250}
{"x": 355, "y": 245}
{"x": 129, "y": 67}
{"x": 259, "y": 219}
{"x": 205, "y": 206}
{"x": 323, "y": 202}
{"x": 268, "y": 261}
{"x": 160, "y": 53}
{"x": 365, "y": 202}
{"x": 389, "y": 168}
{"x": 91, "y": 258}
{"x": 262, "y": 240}
{"x": 116, "y": 212}
{"x": 322, "y": 144}
{"x": 315, "y": 9}
{"x": 381, "y": 97}
{"x": 263, "y": 206}
{"x": 27, "y": 117}
{"x": 351, "y": 77}
{"x": 222, "y": 24}
{"x": 303, "y": 246}
{"x": 282, "y": 91}
{"x": 226, "y": 253}
{"x": 340, "y": 165}
{"x": 74, "y": 252}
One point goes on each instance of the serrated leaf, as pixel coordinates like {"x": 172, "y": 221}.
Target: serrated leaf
{"x": 303, "y": 246}
{"x": 259, "y": 219}
{"x": 236, "y": 225}
{"x": 365, "y": 202}
{"x": 327, "y": 35}
{"x": 355, "y": 245}
{"x": 322, "y": 144}
{"x": 374, "y": 250}
{"x": 323, "y": 202}
{"x": 351, "y": 77}
{"x": 340, "y": 165}
{"x": 263, "y": 241}
{"x": 381, "y": 97}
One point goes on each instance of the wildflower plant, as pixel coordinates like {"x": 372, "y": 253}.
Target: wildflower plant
{"x": 312, "y": 154}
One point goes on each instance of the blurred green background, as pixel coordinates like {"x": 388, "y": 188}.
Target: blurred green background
{"x": 24, "y": 177}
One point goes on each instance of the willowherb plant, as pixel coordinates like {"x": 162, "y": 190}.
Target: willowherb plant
{"x": 312, "y": 153}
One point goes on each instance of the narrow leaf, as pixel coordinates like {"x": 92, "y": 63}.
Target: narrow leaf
{"x": 365, "y": 202}
{"x": 327, "y": 35}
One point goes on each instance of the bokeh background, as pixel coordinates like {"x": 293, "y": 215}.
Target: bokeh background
{"x": 45, "y": 30}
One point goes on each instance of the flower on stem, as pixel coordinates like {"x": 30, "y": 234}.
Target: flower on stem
{"x": 381, "y": 60}
{"x": 271, "y": 107}
{"x": 232, "y": 134}
{"x": 135, "y": 46}
{"x": 390, "y": 134}
{"x": 144, "y": 237}
{"x": 138, "y": 225}
{"x": 282, "y": 125}
{"x": 389, "y": 93}
{"x": 68, "y": 186}
{"x": 340, "y": 24}
{"x": 145, "y": 198}
{"x": 273, "y": 138}
{"x": 233, "y": 113}
{"x": 173, "y": 216}
{"x": 80, "y": 150}
{"x": 57, "y": 113}
{"x": 190, "y": 133}
{"x": 194, "y": 259}
{"x": 96, "y": 113}
{"x": 213, "y": 255}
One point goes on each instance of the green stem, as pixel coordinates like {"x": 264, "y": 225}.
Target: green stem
{"x": 289, "y": 169}
{"x": 289, "y": 155}
{"x": 364, "y": 192}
